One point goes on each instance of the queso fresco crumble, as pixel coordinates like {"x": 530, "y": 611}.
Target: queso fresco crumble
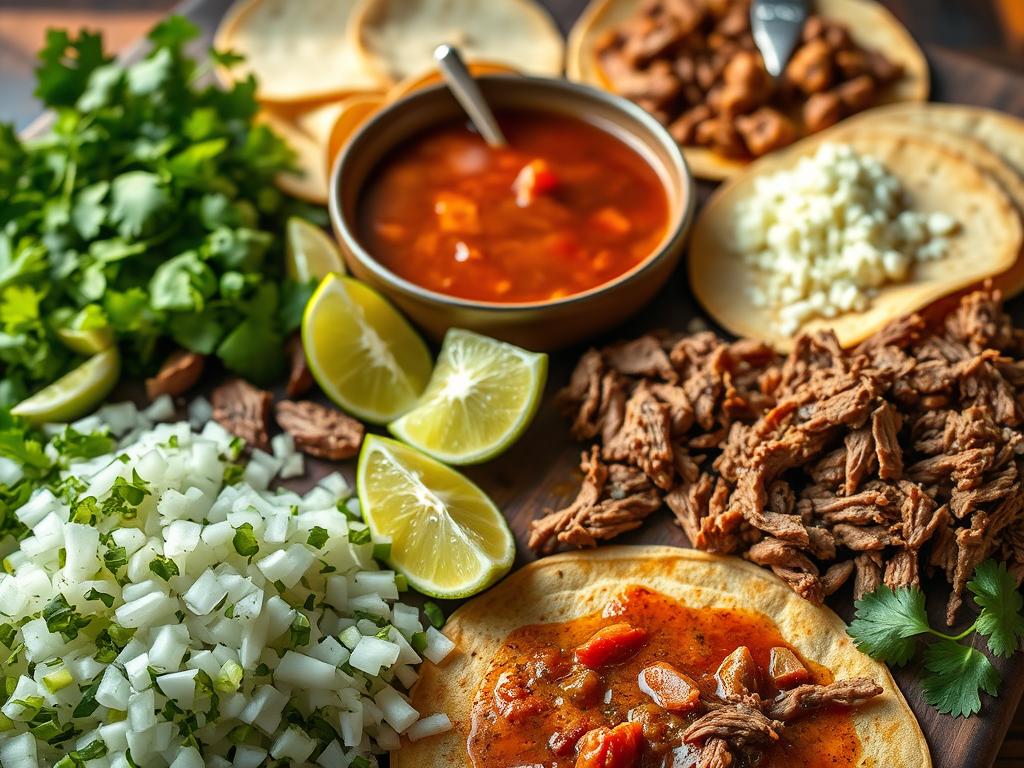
{"x": 831, "y": 231}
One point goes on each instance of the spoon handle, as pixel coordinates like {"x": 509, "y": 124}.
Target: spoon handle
{"x": 467, "y": 93}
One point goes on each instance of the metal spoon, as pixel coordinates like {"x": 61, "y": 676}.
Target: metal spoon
{"x": 467, "y": 93}
{"x": 776, "y": 26}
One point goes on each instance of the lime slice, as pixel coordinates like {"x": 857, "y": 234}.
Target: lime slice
{"x": 447, "y": 537}
{"x": 87, "y": 342}
{"x": 482, "y": 395}
{"x": 310, "y": 253}
{"x": 76, "y": 393}
{"x": 363, "y": 353}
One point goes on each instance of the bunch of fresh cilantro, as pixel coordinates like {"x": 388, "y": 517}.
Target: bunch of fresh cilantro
{"x": 148, "y": 207}
{"x": 890, "y": 622}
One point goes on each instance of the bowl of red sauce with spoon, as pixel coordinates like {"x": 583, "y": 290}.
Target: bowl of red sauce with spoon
{"x": 564, "y": 232}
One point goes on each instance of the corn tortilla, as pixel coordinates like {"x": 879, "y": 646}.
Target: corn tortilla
{"x": 396, "y": 38}
{"x": 299, "y": 50}
{"x": 564, "y": 587}
{"x": 935, "y": 177}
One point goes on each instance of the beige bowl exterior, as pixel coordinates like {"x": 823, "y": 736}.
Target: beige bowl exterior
{"x": 542, "y": 325}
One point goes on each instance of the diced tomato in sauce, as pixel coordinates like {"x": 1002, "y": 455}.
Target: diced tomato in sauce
{"x": 534, "y": 180}
{"x": 617, "y": 747}
{"x": 669, "y": 688}
{"x": 611, "y": 645}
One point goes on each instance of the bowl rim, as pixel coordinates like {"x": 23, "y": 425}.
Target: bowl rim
{"x": 679, "y": 226}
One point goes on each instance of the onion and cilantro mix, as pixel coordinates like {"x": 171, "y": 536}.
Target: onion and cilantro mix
{"x": 163, "y": 607}
{"x": 147, "y": 210}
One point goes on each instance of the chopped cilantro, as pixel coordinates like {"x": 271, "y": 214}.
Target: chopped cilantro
{"x": 164, "y": 567}
{"x": 359, "y": 535}
{"x": 317, "y": 537}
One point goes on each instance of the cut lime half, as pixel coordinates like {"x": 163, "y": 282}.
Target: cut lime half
{"x": 363, "y": 353}
{"x": 76, "y": 393}
{"x": 310, "y": 253}
{"x": 447, "y": 536}
{"x": 481, "y": 397}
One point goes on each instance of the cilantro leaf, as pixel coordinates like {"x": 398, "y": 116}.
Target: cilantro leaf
{"x": 995, "y": 591}
{"x": 886, "y": 623}
{"x": 959, "y": 672}
{"x": 139, "y": 200}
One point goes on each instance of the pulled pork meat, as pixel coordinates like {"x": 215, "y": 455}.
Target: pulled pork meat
{"x": 244, "y": 411}
{"x": 876, "y": 463}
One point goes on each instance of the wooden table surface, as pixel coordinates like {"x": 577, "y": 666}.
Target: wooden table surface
{"x": 977, "y": 51}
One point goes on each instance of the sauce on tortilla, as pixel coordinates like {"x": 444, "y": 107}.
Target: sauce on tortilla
{"x": 538, "y": 701}
{"x": 564, "y": 208}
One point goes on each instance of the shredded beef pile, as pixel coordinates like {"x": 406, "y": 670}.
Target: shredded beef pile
{"x": 900, "y": 455}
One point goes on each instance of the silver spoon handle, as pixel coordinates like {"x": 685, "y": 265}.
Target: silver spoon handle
{"x": 467, "y": 93}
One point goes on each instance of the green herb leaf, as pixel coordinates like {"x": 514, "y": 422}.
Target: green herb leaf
{"x": 317, "y": 537}
{"x": 886, "y": 623}
{"x": 995, "y": 592}
{"x": 433, "y": 614}
{"x": 164, "y": 567}
{"x": 959, "y": 672}
{"x": 299, "y": 632}
{"x": 244, "y": 540}
{"x": 103, "y": 597}
{"x": 359, "y": 535}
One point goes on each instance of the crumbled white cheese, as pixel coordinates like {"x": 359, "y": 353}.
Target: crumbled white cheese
{"x": 831, "y": 231}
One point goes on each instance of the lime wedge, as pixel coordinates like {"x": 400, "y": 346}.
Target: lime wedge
{"x": 86, "y": 342}
{"x": 363, "y": 353}
{"x": 76, "y": 393}
{"x": 447, "y": 537}
{"x": 481, "y": 397}
{"x": 310, "y": 253}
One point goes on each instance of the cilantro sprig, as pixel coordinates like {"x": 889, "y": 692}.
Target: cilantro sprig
{"x": 890, "y": 624}
{"x": 149, "y": 209}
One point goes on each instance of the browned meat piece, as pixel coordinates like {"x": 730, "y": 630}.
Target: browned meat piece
{"x": 964, "y": 502}
{"x": 721, "y": 135}
{"x": 324, "y": 432}
{"x": 901, "y": 570}
{"x": 765, "y": 130}
{"x": 885, "y": 426}
{"x": 821, "y": 111}
{"x": 300, "y": 378}
{"x": 785, "y": 669}
{"x": 684, "y": 127}
{"x": 971, "y": 463}
{"x": 857, "y": 94}
{"x": 837, "y": 575}
{"x": 863, "y": 538}
{"x": 680, "y": 412}
{"x": 645, "y": 439}
{"x": 176, "y": 376}
{"x": 657, "y": 85}
{"x": 810, "y": 68}
{"x": 807, "y": 699}
{"x": 583, "y": 687}
{"x": 825, "y": 505}
{"x": 860, "y": 458}
{"x": 652, "y": 39}
{"x": 867, "y": 574}
{"x": 641, "y": 357}
{"x": 789, "y": 564}
{"x": 243, "y": 410}
{"x": 612, "y": 500}
{"x": 715, "y": 754}
{"x": 740, "y": 725}
{"x": 737, "y": 675}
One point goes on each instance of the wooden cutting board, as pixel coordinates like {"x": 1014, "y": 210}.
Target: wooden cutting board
{"x": 540, "y": 471}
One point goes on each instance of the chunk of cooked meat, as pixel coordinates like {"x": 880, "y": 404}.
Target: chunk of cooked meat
{"x": 669, "y": 688}
{"x": 319, "y": 430}
{"x": 243, "y": 410}
{"x": 737, "y": 675}
{"x": 807, "y": 699}
{"x": 179, "y": 373}
{"x": 737, "y": 724}
{"x": 785, "y": 669}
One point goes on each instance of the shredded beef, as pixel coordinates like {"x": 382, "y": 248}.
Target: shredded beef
{"x": 901, "y": 454}
{"x": 739, "y": 724}
{"x": 806, "y": 699}
{"x": 179, "y": 373}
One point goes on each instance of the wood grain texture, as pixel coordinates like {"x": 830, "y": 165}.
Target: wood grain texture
{"x": 540, "y": 472}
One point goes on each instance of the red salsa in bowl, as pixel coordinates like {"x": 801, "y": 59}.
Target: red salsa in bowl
{"x": 565, "y": 208}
